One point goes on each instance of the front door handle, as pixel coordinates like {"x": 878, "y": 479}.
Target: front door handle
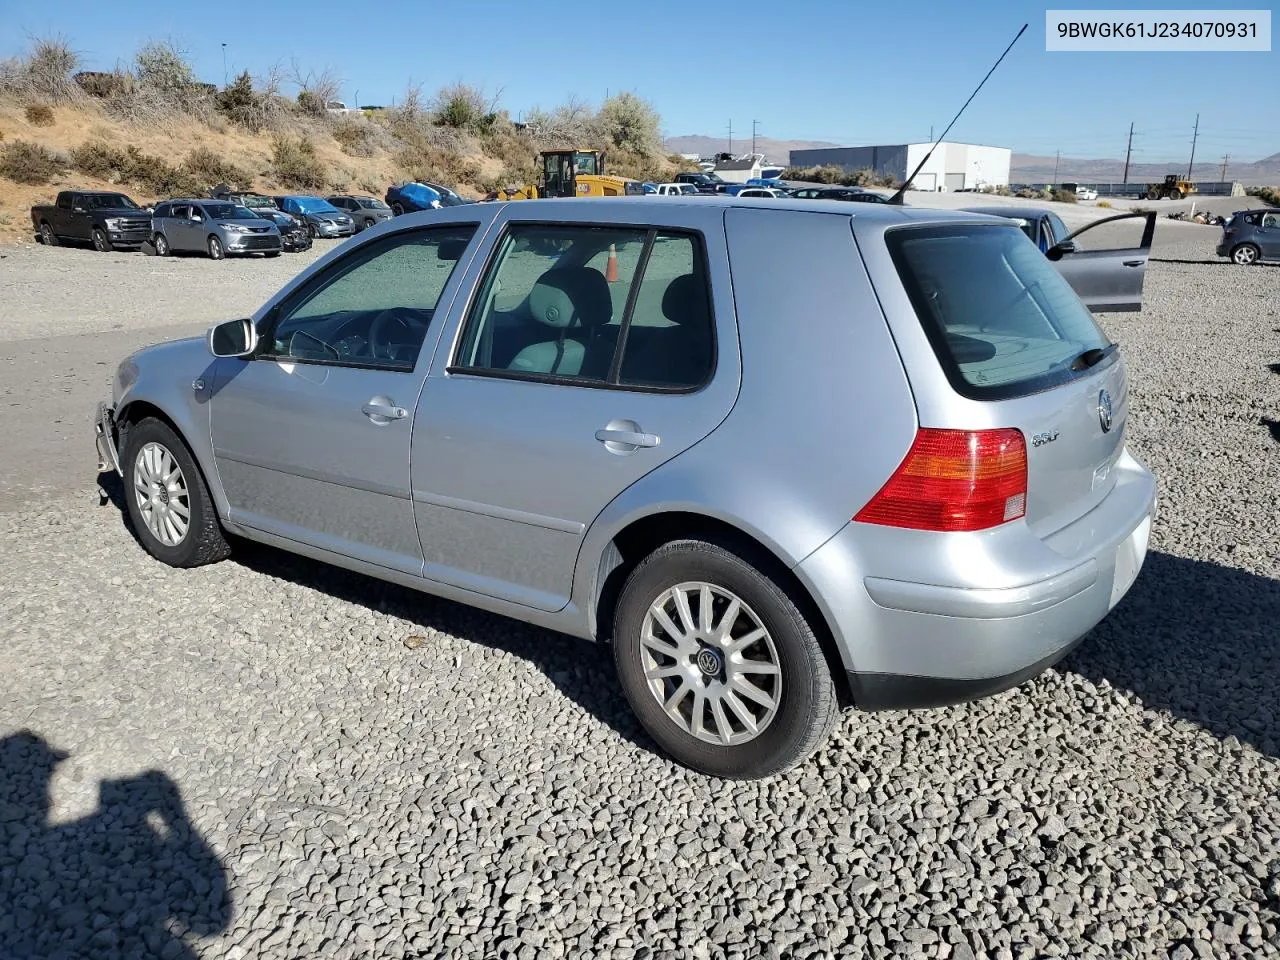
{"x": 1134, "y": 263}
{"x": 383, "y": 410}
{"x": 625, "y": 436}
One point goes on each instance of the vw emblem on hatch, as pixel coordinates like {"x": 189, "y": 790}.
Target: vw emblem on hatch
{"x": 1104, "y": 410}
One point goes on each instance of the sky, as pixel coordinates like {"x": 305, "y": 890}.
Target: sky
{"x": 824, "y": 72}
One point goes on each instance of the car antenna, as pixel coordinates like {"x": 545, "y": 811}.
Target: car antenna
{"x": 897, "y": 197}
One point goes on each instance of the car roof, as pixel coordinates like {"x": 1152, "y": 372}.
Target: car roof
{"x": 1013, "y": 213}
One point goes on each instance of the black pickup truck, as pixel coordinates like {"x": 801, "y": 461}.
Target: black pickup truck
{"x": 107, "y": 220}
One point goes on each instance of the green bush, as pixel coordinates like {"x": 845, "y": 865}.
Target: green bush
{"x": 163, "y": 67}
{"x": 105, "y": 161}
{"x": 463, "y": 107}
{"x": 630, "y": 123}
{"x": 242, "y": 104}
{"x": 295, "y": 164}
{"x": 209, "y": 167}
{"x": 39, "y": 114}
{"x": 30, "y": 163}
{"x": 100, "y": 159}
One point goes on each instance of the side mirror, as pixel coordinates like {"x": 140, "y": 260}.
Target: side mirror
{"x": 1055, "y": 252}
{"x": 234, "y": 338}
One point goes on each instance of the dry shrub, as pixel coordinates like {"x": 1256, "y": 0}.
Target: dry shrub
{"x": 39, "y": 114}
{"x": 628, "y": 122}
{"x": 295, "y": 164}
{"x": 515, "y": 148}
{"x": 1065, "y": 196}
{"x": 438, "y": 166}
{"x": 254, "y": 107}
{"x": 315, "y": 90}
{"x": 464, "y": 107}
{"x": 358, "y": 137}
{"x": 572, "y": 124}
{"x": 206, "y": 165}
{"x": 105, "y": 161}
{"x": 44, "y": 74}
{"x": 102, "y": 85}
{"x": 30, "y": 163}
{"x": 1268, "y": 195}
{"x": 1105, "y": 204}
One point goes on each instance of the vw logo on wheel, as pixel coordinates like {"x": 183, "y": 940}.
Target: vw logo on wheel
{"x": 709, "y": 662}
{"x": 1104, "y": 410}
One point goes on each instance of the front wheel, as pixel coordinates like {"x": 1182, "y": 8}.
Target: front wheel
{"x": 101, "y": 242}
{"x": 168, "y": 502}
{"x": 719, "y": 664}
{"x": 312, "y": 232}
{"x": 1245, "y": 254}
{"x": 161, "y": 243}
{"x": 215, "y": 249}
{"x": 397, "y": 209}
{"x": 47, "y": 236}
{"x": 1153, "y": 194}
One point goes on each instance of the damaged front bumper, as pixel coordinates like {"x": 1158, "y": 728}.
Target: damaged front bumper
{"x": 105, "y": 439}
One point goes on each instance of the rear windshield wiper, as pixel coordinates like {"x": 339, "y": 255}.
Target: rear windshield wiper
{"x": 1093, "y": 356}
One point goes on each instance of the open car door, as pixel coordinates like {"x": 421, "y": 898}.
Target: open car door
{"x": 1107, "y": 279}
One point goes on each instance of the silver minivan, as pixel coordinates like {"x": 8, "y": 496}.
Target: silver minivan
{"x": 216, "y": 227}
{"x": 782, "y": 455}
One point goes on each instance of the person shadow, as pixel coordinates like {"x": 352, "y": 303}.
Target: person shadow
{"x": 133, "y": 879}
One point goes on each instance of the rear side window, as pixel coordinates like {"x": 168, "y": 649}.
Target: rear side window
{"x": 1001, "y": 319}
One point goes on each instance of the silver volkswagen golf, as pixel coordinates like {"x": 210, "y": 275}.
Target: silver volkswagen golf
{"x": 782, "y": 455}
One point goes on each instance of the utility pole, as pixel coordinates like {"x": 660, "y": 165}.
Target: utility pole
{"x": 1194, "y": 134}
{"x": 754, "y": 123}
{"x": 931, "y": 133}
{"x": 1225, "y": 158}
{"x": 730, "y": 137}
{"x": 1057, "y": 157}
{"x": 1128, "y": 152}
{"x": 224, "y": 64}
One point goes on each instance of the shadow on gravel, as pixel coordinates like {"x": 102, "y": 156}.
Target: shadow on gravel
{"x": 1273, "y": 428}
{"x": 133, "y": 879}
{"x": 580, "y": 670}
{"x": 1198, "y": 640}
{"x": 1211, "y": 263}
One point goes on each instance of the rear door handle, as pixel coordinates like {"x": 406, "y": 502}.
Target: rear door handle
{"x": 629, "y": 437}
{"x": 382, "y": 410}
{"x": 1134, "y": 263}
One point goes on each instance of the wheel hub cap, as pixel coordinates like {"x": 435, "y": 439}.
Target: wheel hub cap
{"x": 160, "y": 490}
{"x": 710, "y": 663}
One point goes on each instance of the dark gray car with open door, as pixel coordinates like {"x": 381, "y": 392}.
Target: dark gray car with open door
{"x": 1108, "y": 279}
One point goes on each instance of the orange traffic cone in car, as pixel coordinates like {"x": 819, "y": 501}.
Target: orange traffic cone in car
{"x": 611, "y": 267}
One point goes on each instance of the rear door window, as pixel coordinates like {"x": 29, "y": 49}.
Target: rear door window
{"x": 1002, "y": 321}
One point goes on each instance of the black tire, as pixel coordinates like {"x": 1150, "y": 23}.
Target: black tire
{"x": 273, "y": 253}
{"x": 161, "y": 243}
{"x": 397, "y": 209}
{"x": 47, "y": 236}
{"x": 101, "y": 242}
{"x": 215, "y": 248}
{"x": 1245, "y": 254}
{"x": 1153, "y": 194}
{"x": 370, "y": 223}
{"x": 204, "y": 541}
{"x": 807, "y": 702}
{"x": 312, "y": 232}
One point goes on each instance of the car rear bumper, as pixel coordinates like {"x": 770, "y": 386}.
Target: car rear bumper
{"x": 1224, "y": 249}
{"x": 105, "y": 438}
{"x": 915, "y": 644}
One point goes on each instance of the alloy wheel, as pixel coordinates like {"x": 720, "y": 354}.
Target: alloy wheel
{"x": 710, "y": 663}
{"x": 1244, "y": 255}
{"x": 162, "y": 495}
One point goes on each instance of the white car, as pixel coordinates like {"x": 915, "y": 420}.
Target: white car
{"x": 1084, "y": 193}
{"x": 760, "y": 192}
{"x": 677, "y": 190}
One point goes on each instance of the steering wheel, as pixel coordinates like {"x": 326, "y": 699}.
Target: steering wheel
{"x": 411, "y": 321}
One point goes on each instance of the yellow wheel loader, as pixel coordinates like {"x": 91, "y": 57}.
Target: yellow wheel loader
{"x": 1172, "y": 188}
{"x": 572, "y": 173}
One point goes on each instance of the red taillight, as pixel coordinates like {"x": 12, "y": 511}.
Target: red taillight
{"x": 955, "y": 480}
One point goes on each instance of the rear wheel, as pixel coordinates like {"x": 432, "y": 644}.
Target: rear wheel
{"x": 719, "y": 664}
{"x": 370, "y": 223}
{"x": 161, "y": 243}
{"x": 168, "y": 502}
{"x": 1153, "y": 194}
{"x": 215, "y": 249}
{"x": 47, "y": 236}
{"x": 101, "y": 242}
{"x": 397, "y": 209}
{"x": 1245, "y": 254}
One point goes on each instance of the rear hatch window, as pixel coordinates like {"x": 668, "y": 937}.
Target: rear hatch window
{"x": 1003, "y": 322}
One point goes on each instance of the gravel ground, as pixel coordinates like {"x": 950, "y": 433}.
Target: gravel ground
{"x": 271, "y": 758}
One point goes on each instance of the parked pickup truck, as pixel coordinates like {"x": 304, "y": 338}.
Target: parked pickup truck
{"x": 108, "y": 220}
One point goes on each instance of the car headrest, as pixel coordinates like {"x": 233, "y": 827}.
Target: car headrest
{"x": 569, "y": 296}
{"x": 685, "y": 301}
{"x": 451, "y": 249}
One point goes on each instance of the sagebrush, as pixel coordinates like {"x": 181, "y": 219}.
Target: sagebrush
{"x": 31, "y": 163}
{"x": 295, "y": 163}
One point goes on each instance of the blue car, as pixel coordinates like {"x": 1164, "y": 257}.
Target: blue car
{"x": 414, "y": 197}
{"x": 773, "y": 182}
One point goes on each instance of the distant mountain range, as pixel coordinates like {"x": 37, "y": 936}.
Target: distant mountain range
{"x": 1032, "y": 169}
{"x": 1026, "y": 168}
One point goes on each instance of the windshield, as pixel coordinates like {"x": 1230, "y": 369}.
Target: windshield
{"x": 257, "y": 203}
{"x": 1001, "y": 319}
{"x": 109, "y": 201}
{"x": 228, "y": 211}
{"x": 313, "y": 205}
{"x": 369, "y": 203}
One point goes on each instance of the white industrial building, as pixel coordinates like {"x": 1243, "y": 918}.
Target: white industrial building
{"x": 953, "y": 166}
